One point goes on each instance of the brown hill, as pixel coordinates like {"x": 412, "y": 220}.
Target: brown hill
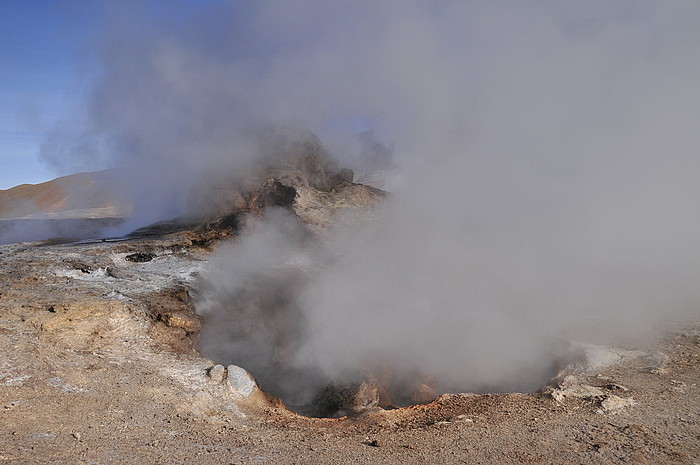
{"x": 82, "y": 195}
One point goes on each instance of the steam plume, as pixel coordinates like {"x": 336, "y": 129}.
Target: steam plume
{"x": 550, "y": 156}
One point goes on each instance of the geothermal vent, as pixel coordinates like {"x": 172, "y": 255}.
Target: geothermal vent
{"x": 259, "y": 299}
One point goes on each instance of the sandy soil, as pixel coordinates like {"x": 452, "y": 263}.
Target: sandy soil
{"x": 98, "y": 366}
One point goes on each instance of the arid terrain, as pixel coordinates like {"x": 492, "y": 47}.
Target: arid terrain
{"x": 350, "y": 232}
{"x": 81, "y": 195}
{"x": 79, "y": 205}
{"x": 99, "y": 366}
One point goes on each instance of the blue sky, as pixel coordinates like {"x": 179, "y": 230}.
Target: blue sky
{"x": 42, "y": 53}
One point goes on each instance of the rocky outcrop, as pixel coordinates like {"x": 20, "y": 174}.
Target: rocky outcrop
{"x": 294, "y": 172}
{"x": 287, "y": 163}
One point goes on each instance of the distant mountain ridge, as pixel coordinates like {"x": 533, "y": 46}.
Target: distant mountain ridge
{"x": 82, "y": 195}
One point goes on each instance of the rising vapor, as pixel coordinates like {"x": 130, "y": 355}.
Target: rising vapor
{"x": 549, "y": 153}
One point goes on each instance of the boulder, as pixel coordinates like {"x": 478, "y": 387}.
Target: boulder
{"x": 240, "y": 381}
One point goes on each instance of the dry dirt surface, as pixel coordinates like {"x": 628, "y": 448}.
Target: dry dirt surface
{"x": 98, "y": 366}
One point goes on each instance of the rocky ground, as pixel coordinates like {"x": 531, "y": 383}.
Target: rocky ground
{"x": 99, "y": 366}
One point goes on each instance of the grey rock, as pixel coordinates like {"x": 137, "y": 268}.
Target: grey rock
{"x": 573, "y": 387}
{"x": 615, "y": 403}
{"x": 216, "y": 374}
{"x": 240, "y": 380}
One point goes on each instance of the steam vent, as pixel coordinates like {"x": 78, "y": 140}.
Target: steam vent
{"x": 202, "y": 323}
{"x": 350, "y": 232}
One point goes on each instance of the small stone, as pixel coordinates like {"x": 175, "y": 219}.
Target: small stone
{"x": 216, "y": 374}
{"x": 614, "y": 403}
{"x": 140, "y": 257}
{"x": 240, "y": 380}
{"x": 10, "y": 406}
{"x": 572, "y": 387}
{"x": 76, "y": 436}
{"x": 187, "y": 321}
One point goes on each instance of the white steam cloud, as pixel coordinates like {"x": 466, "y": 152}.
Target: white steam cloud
{"x": 550, "y": 155}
